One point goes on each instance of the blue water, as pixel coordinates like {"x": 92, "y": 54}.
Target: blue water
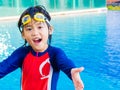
{"x": 90, "y": 40}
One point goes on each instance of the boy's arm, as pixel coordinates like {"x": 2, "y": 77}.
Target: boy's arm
{"x": 64, "y": 63}
{"x": 68, "y": 67}
{"x": 12, "y": 62}
{"x": 76, "y": 78}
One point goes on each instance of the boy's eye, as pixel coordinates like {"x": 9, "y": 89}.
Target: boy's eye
{"x": 39, "y": 27}
{"x": 28, "y": 28}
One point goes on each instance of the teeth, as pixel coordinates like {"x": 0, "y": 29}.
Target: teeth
{"x": 36, "y": 39}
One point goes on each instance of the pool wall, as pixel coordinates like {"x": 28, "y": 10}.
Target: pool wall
{"x": 16, "y": 7}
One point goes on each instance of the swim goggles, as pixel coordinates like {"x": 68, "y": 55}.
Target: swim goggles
{"x": 38, "y": 17}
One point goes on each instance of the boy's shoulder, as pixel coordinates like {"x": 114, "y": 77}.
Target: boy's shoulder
{"x": 54, "y": 49}
{"x": 23, "y": 49}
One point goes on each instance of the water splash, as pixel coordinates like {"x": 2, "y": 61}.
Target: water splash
{"x": 5, "y": 45}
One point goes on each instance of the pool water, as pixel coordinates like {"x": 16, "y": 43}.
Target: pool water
{"x": 90, "y": 40}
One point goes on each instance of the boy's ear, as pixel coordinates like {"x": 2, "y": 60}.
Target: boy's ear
{"x": 50, "y": 30}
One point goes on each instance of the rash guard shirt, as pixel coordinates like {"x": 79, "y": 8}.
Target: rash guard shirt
{"x": 40, "y": 70}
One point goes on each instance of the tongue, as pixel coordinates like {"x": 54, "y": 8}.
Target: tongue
{"x": 37, "y": 41}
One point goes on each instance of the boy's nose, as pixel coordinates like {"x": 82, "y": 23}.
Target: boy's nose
{"x": 35, "y": 32}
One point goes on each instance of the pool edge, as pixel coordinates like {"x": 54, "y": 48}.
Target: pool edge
{"x": 96, "y": 10}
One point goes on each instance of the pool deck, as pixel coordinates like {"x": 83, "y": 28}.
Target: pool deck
{"x": 96, "y": 10}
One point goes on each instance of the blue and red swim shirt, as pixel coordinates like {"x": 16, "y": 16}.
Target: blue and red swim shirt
{"x": 40, "y": 70}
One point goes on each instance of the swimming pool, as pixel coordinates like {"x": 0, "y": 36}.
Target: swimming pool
{"x": 17, "y": 6}
{"x": 90, "y": 40}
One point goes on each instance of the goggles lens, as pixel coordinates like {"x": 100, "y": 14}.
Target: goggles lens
{"x": 38, "y": 17}
{"x": 26, "y": 19}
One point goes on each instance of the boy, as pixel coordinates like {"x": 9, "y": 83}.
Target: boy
{"x": 39, "y": 61}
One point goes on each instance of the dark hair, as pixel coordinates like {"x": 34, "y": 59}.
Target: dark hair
{"x": 32, "y": 11}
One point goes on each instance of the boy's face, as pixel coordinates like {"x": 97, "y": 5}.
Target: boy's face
{"x": 36, "y": 34}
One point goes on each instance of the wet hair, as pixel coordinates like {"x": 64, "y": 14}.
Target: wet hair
{"x": 32, "y": 11}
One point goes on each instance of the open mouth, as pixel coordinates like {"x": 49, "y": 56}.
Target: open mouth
{"x": 37, "y": 41}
